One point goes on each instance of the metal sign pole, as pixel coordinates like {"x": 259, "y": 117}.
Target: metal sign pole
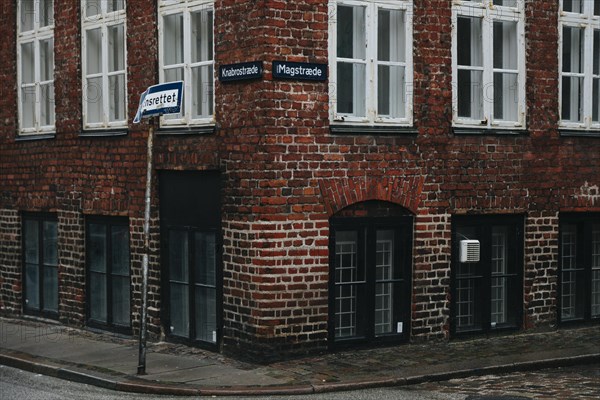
{"x": 141, "y": 370}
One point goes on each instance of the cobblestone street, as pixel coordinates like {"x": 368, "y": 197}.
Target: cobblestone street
{"x": 582, "y": 382}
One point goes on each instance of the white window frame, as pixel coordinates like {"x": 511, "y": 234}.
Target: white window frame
{"x": 185, "y": 7}
{"x": 36, "y": 35}
{"x": 589, "y": 23}
{"x": 489, "y": 13}
{"x": 371, "y": 117}
{"x": 103, "y": 20}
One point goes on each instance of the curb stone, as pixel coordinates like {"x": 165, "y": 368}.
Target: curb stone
{"x": 27, "y": 363}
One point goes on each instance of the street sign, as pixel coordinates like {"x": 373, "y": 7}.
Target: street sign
{"x": 240, "y": 71}
{"x": 299, "y": 71}
{"x": 160, "y": 99}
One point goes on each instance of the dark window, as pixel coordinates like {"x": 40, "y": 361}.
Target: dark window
{"x": 370, "y": 279}
{"x": 40, "y": 272}
{"x": 108, "y": 273}
{"x": 487, "y": 295}
{"x": 579, "y": 267}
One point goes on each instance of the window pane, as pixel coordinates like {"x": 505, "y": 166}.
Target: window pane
{"x": 120, "y": 300}
{"x": 351, "y": 89}
{"x": 351, "y": 32}
{"x": 346, "y": 253}
{"x": 572, "y": 49}
{"x": 173, "y": 39}
{"x": 116, "y": 48}
{"x": 506, "y": 92}
{"x": 50, "y": 243}
{"x": 93, "y": 97}
{"x": 202, "y": 36}
{"x": 51, "y": 289}
{"x": 575, "y": 6}
{"x": 46, "y": 12}
{"x": 32, "y": 249}
{"x": 179, "y": 309}
{"x": 469, "y": 41}
{"x": 27, "y": 63}
{"x": 93, "y": 7}
{"x": 27, "y": 15}
{"x": 499, "y": 281}
{"x": 46, "y": 60}
{"x": 97, "y": 247}
{"x": 28, "y": 107}
{"x": 115, "y": 5}
{"x": 596, "y": 68}
{"x": 505, "y": 45}
{"x": 391, "y": 91}
{"x": 32, "y": 285}
{"x": 98, "y": 301}
{"x": 205, "y": 263}
{"x": 206, "y": 314}
{"x": 572, "y": 98}
{"x": 506, "y": 3}
{"x": 202, "y": 86}
{"x": 596, "y": 100}
{"x": 391, "y": 41}
{"x": 384, "y": 292}
{"x": 94, "y": 51}
{"x": 571, "y": 275}
{"x": 120, "y": 250}
{"x": 597, "y": 7}
{"x": 117, "y": 97}
{"x": 596, "y": 270}
{"x": 470, "y": 94}
{"x": 178, "y": 256}
{"x": 47, "y": 104}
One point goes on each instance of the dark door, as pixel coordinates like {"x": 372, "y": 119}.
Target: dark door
{"x": 191, "y": 256}
{"x": 370, "y": 279}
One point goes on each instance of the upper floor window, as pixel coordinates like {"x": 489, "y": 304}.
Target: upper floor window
{"x": 372, "y": 76}
{"x": 186, "y": 54}
{"x": 104, "y": 60}
{"x": 35, "y": 52}
{"x": 580, "y": 64}
{"x": 488, "y": 64}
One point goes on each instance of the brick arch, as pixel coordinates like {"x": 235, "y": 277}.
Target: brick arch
{"x": 338, "y": 194}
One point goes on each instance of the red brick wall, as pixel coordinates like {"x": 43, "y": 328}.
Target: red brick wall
{"x": 284, "y": 173}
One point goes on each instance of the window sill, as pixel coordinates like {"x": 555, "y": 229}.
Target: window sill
{"x": 460, "y": 131}
{"x": 344, "y": 129}
{"x": 104, "y": 133}
{"x": 34, "y": 137}
{"x": 579, "y": 133}
{"x": 195, "y": 130}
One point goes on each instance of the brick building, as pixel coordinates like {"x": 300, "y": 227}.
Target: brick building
{"x": 292, "y": 214}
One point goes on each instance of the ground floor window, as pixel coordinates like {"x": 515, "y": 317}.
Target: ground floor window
{"x": 108, "y": 273}
{"x": 40, "y": 266}
{"x": 487, "y": 292}
{"x": 370, "y": 278}
{"x": 579, "y": 275}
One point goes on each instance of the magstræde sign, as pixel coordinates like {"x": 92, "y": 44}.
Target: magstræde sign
{"x": 299, "y": 71}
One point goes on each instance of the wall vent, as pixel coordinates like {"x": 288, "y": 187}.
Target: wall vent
{"x": 469, "y": 251}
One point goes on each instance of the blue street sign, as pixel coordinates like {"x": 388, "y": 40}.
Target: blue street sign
{"x": 160, "y": 99}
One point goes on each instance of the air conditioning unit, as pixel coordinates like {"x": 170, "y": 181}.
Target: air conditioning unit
{"x": 469, "y": 251}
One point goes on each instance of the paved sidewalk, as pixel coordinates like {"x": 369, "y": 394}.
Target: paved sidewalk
{"x": 109, "y": 361}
